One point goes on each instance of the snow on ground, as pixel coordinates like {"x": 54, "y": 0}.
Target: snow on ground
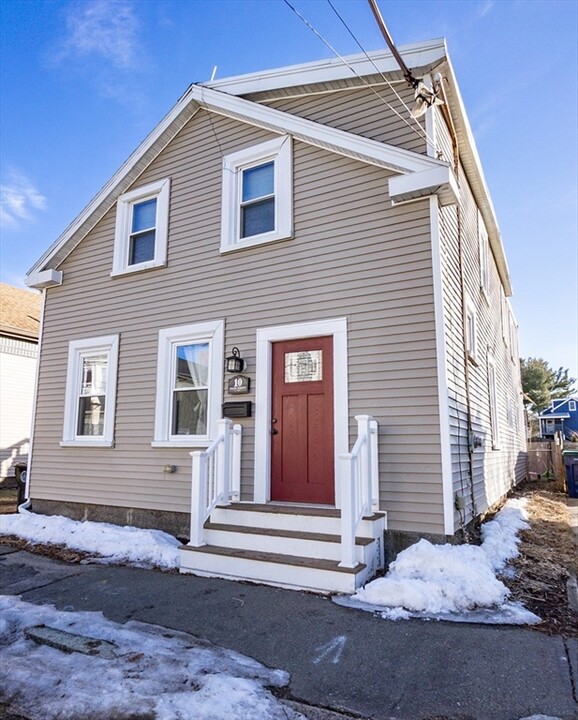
{"x": 156, "y": 673}
{"x": 115, "y": 544}
{"x": 452, "y": 582}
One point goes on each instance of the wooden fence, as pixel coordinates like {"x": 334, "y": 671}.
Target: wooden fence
{"x": 545, "y": 459}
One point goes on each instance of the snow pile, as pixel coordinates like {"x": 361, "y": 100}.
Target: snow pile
{"x": 433, "y": 580}
{"x": 114, "y": 544}
{"x": 158, "y": 673}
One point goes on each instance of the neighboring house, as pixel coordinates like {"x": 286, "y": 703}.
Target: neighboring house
{"x": 19, "y": 322}
{"x": 561, "y": 417}
{"x": 354, "y": 260}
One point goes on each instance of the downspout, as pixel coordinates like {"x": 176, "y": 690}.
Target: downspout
{"x": 455, "y": 149}
{"x": 23, "y": 508}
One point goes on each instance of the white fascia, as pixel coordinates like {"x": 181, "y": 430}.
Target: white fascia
{"x": 415, "y": 55}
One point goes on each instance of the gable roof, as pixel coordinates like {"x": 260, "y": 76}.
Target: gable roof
{"x": 19, "y": 312}
{"x": 223, "y": 97}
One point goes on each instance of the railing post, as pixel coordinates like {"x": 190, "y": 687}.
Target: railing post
{"x": 348, "y": 520}
{"x": 235, "y": 489}
{"x": 363, "y": 431}
{"x": 374, "y": 455}
{"x": 198, "y": 498}
{"x": 223, "y": 461}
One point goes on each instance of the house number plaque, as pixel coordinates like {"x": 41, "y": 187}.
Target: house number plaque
{"x": 304, "y": 366}
{"x": 239, "y": 385}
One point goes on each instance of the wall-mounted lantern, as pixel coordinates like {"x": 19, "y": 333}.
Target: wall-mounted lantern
{"x": 235, "y": 363}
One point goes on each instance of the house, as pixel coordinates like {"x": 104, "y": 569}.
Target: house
{"x": 282, "y": 330}
{"x": 561, "y": 417}
{"x": 19, "y": 321}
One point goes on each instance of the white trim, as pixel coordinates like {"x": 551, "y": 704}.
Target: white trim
{"x": 438, "y": 180}
{"x": 212, "y": 332}
{"x": 442, "y": 371}
{"x": 278, "y": 151}
{"x": 77, "y": 349}
{"x": 265, "y": 336}
{"x": 484, "y": 258}
{"x": 471, "y": 334}
{"x": 571, "y": 405}
{"x": 415, "y": 55}
{"x": 158, "y": 191}
{"x": 44, "y": 279}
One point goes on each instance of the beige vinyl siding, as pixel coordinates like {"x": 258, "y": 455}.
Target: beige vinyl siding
{"x": 360, "y": 111}
{"x": 353, "y": 256}
{"x": 491, "y": 472}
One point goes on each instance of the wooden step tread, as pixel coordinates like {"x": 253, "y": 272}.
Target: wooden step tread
{"x": 292, "y": 510}
{"x": 314, "y": 563}
{"x": 272, "y": 532}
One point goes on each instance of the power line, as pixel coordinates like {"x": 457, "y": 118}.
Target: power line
{"x": 423, "y": 134}
{"x": 384, "y": 78}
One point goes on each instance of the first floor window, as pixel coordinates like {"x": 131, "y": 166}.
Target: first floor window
{"x": 189, "y": 383}
{"x": 90, "y": 391}
{"x": 141, "y": 233}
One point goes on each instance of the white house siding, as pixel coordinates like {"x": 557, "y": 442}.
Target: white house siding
{"x": 352, "y": 255}
{"x": 17, "y": 378}
{"x": 363, "y": 111}
{"x": 490, "y": 473}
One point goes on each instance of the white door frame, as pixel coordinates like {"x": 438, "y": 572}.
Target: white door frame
{"x": 265, "y": 337}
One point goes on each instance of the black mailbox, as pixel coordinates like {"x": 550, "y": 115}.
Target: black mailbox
{"x": 237, "y": 409}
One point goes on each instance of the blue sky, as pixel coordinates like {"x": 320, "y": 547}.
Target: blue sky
{"x": 83, "y": 82}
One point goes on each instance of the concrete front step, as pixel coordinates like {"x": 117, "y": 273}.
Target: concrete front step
{"x": 286, "y": 542}
{"x": 289, "y": 571}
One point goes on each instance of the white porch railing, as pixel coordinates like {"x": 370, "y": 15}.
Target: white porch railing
{"x": 216, "y": 477}
{"x": 359, "y": 485}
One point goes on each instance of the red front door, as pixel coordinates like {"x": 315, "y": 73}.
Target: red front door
{"x": 302, "y": 457}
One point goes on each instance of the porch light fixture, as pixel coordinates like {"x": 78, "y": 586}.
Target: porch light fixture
{"x": 235, "y": 363}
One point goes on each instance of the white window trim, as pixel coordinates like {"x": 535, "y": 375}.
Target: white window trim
{"x": 572, "y": 406}
{"x": 493, "y": 397}
{"x": 160, "y": 191}
{"x": 337, "y": 327}
{"x": 77, "y": 349}
{"x": 279, "y": 151}
{"x": 212, "y": 332}
{"x": 471, "y": 342}
{"x": 484, "y": 251}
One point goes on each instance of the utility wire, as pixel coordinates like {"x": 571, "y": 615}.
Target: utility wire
{"x": 383, "y": 77}
{"x": 360, "y": 77}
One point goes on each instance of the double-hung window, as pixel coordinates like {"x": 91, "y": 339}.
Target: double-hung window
{"x": 257, "y": 195}
{"x": 141, "y": 233}
{"x": 484, "y": 251}
{"x": 471, "y": 330}
{"x": 189, "y": 384}
{"x": 90, "y": 391}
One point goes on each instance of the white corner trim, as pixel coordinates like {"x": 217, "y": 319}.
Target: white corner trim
{"x": 45, "y": 279}
{"x": 439, "y": 180}
{"x": 336, "y": 327}
{"x": 443, "y": 385}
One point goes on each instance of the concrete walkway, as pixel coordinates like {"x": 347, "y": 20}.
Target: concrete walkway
{"x": 338, "y": 658}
